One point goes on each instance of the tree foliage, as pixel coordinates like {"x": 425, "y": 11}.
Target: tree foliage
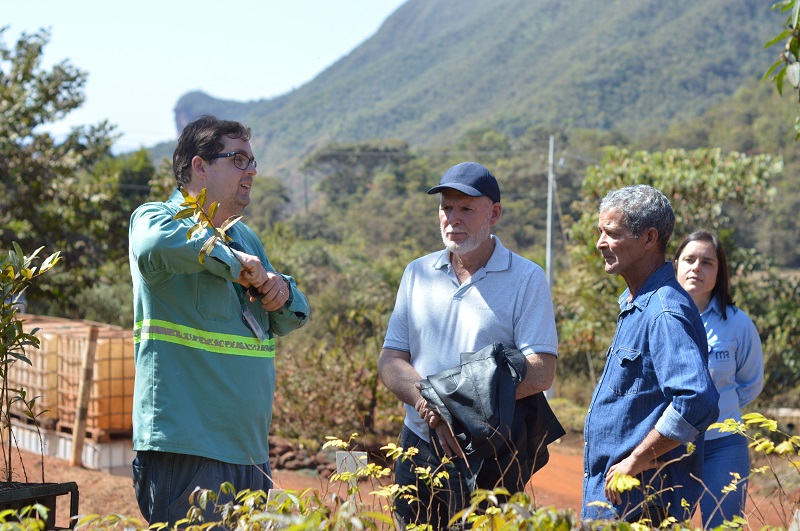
{"x": 365, "y": 214}
{"x": 705, "y": 187}
{"x": 787, "y": 67}
{"x": 67, "y": 194}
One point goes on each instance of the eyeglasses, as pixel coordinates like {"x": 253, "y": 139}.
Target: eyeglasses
{"x": 240, "y": 160}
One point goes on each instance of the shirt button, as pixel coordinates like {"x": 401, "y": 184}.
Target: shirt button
{"x": 586, "y": 474}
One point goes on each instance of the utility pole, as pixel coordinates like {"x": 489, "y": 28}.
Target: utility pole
{"x": 550, "y": 192}
{"x": 550, "y": 393}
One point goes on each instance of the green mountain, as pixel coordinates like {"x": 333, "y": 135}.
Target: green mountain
{"x": 437, "y": 68}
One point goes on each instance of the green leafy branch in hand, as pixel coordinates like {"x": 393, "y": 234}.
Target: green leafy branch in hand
{"x": 194, "y": 209}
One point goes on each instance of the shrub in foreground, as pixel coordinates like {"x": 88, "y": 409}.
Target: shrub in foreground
{"x": 488, "y": 510}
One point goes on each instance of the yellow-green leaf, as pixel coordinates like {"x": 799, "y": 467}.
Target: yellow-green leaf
{"x": 230, "y": 222}
{"x": 786, "y": 447}
{"x": 183, "y": 214}
{"x": 208, "y": 246}
{"x": 50, "y": 261}
{"x": 622, "y": 482}
{"x": 212, "y": 210}
{"x": 765, "y": 445}
{"x": 194, "y": 229}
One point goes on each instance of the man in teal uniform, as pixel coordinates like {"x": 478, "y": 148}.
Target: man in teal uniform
{"x": 204, "y": 345}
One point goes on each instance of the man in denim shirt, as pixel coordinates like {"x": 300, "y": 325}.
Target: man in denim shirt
{"x": 656, "y": 395}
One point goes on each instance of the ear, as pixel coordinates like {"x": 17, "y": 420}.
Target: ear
{"x": 198, "y": 165}
{"x": 497, "y": 211}
{"x": 650, "y": 238}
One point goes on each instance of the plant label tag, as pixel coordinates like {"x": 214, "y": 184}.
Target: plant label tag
{"x": 252, "y": 323}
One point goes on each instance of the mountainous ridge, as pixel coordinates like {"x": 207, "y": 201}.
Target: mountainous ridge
{"x": 437, "y": 68}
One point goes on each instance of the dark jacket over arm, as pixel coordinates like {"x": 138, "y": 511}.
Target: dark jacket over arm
{"x": 478, "y": 400}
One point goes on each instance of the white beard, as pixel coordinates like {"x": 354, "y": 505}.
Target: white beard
{"x": 473, "y": 241}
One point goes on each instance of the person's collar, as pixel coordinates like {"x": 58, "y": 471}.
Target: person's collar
{"x": 660, "y": 276}
{"x": 176, "y": 197}
{"x": 500, "y": 259}
{"x": 714, "y": 305}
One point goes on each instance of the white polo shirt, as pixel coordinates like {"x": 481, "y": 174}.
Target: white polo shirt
{"x": 435, "y": 318}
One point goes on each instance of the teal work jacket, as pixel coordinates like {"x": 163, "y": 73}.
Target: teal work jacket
{"x": 204, "y": 382}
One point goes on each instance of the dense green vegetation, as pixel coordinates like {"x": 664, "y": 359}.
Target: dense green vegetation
{"x": 355, "y": 213}
{"x": 349, "y": 214}
{"x": 648, "y": 75}
{"x": 437, "y": 68}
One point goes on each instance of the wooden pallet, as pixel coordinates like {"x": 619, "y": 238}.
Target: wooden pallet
{"x": 95, "y": 434}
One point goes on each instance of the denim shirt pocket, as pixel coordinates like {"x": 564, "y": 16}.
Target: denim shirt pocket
{"x": 625, "y": 371}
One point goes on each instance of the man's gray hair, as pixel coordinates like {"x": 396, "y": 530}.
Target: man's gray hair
{"x": 642, "y": 207}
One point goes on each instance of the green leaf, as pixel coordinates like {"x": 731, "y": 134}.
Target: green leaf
{"x": 194, "y": 229}
{"x": 764, "y": 445}
{"x": 786, "y": 447}
{"x": 778, "y": 38}
{"x": 185, "y": 213}
{"x": 16, "y": 253}
{"x": 771, "y": 69}
{"x": 212, "y": 210}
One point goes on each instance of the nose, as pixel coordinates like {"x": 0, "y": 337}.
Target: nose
{"x": 452, "y": 218}
{"x": 601, "y": 241}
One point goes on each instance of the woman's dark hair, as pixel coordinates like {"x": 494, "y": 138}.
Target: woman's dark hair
{"x": 203, "y": 137}
{"x": 721, "y": 286}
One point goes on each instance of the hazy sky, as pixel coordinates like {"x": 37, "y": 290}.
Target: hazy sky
{"x": 141, "y": 57}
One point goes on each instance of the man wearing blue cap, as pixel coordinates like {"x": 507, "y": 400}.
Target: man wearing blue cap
{"x": 472, "y": 294}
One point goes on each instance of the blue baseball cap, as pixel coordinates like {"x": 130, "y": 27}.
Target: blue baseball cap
{"x": 469, "y": 178}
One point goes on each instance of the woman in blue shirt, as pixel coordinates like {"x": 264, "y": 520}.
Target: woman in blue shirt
{"x": 736, "y": 363}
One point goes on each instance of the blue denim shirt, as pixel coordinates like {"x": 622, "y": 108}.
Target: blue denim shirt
{"x": 656, "y": 376}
